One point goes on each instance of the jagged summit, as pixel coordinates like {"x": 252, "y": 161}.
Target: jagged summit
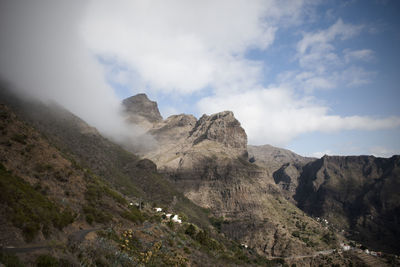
{"x": 209, "y": 160}
{"x": 221, "y": 127}
{"x": 181, "y": 132}
{"x": 141, "y": 106}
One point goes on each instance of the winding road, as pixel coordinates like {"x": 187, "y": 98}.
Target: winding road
{"x": 322, "y": 252}
{"x": 77, "y": 236}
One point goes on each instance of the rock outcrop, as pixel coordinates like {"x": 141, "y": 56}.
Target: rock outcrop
{"x": 207, "y": 159}
{"x": 142, "y": 111}
{"x": 221, "y": 127}
{"x": 282, "y": 164}
{"x": 359, "y": 194}
{"x": 273, "y": 158}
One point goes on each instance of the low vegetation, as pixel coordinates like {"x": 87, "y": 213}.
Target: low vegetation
{"x": 30, "y": 210}
{"x": 46, "y": 260}
{"x": 10, "y": 260}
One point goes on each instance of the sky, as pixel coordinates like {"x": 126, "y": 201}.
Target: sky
{"x": 316, "y": 77}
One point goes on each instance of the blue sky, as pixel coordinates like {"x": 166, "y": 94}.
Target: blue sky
{"x": 316, "y": 77}
{"x": 369, "y": 56}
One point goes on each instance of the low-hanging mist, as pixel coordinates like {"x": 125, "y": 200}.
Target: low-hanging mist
{"x": 43, "y": 57}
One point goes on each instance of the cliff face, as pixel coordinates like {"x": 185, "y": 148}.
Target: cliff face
{"x": 255, "y": 188}
{"x": 273, "y": 158}
{"x": 142, "y": 111}
{"x": 222, "y": 128}
{"x": 282, "y": 164}
{"x": 359, "y": 194}
{"x": 207, "y": 159}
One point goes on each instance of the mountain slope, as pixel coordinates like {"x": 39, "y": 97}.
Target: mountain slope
{"x": 359, "y": 194}
{"x": 273, "y": 157}
{"x": 129, "y": 174}
{"x": 207, "y": 159}
{"x": 53, "y": 210}
{"x": 282, "y": 164}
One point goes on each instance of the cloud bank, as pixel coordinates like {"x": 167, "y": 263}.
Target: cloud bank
{"x": 43, "y": 55}
{"x": 72, "y": 51}
{"x": 278, "y": 115}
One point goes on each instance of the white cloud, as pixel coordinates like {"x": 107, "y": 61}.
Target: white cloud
{"x": 321, "y": 154}
{"x": 380, "y": 151}
{"x": 323, "y": 66}
{"x": 43, "y": 56}
{"x": 184, "y": 46}
{"x": 319, "y": 40}
{"x": 276, "y": 115}
{"x": 315, "y": 50}
{"x": 180, "y": 46}
{"x": 362, "y": 54}
{"x": 356, "y": 76}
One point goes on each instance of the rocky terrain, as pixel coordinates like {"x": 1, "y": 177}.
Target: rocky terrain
{"x": 208, "y": 160}
{"x": 71, "y": 197}
{"x": 359, "y": 195}
{"x": 282, "y": 164}
{"x": 142, "y": 111}
{"x": 67, "y": 195}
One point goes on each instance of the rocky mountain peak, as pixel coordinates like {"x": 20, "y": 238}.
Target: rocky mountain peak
{"x": 221, "y": 127}
{"x": 141, "y": 105}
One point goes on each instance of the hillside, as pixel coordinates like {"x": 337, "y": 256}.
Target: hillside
{"x": 129, "y": 174}
{"x": 274, "y": 157}
{"x": 208, "y": 160}
{"x": 68, "y": 193}
{"x": 58, "y": 212}
{"x": 283, "y": 165}
{"x": 244, "y": 185}
{"x": 357, "y": 194}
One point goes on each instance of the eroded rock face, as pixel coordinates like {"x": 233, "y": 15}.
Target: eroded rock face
{"x": 182, "y": 135}
{"x": 221, "y": 127}
{"x": 273, "y": 158}
{"x": 207, "y": 160}
{"x": 359, "y": 194}
{"x": 287, "y": 178}
{"x": 174, "y": 128}
{"x": 141, "y": 110}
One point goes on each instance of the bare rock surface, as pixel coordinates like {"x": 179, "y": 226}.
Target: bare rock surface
{"x": 359, "y": 194}
{"x": 142, "y": 111}
{"x": 207, "y": 160}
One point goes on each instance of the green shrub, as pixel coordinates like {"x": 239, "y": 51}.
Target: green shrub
{"x": 20, "y": 138}
{"x": 109, "y": 234}
{"x": 40, "y": 167}
{"x": 134, "y": 215}
{"x": 296, "y": 234}
{"x": 206, "y": 241}
{"x": 96, "y": 189}
{"x": 9, "y": 259}
{"x": 94, "y": 214}
{"x": 329, "y": 238}
{"x": 171, "y": 224}
{"x": 46, "y": 260}
{"x": 190, "y": 230}
{"x": 29, "y": 210}
{"x": 217, "y": 222}
{"x": 186, "y": 250}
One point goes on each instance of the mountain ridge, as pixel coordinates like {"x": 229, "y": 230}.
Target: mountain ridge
{"x": 283, "y": 171}
{"x": 204, "y": 172}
